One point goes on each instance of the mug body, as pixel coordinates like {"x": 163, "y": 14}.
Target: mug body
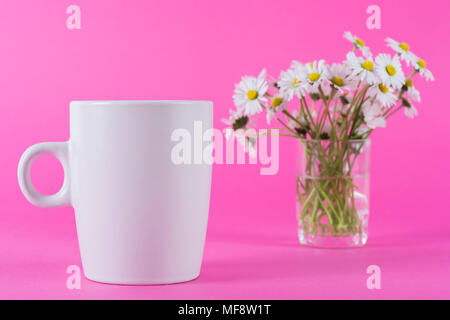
{"x": 141, "y": 218}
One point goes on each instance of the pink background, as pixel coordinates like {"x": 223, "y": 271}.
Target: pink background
{"x": 199, "y": 50}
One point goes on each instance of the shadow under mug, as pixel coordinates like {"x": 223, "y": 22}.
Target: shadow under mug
{"x": 141, "y": 219}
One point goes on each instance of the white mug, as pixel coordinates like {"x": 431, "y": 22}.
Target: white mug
{"x": 141, "y": 219}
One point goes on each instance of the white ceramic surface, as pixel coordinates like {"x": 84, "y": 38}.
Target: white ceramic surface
{"x": 140, "y": 218}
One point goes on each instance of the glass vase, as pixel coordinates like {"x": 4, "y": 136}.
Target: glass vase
{"x": 333, "y": 192}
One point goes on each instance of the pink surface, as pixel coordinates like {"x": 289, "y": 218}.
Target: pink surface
{"x": 198, "y": 50}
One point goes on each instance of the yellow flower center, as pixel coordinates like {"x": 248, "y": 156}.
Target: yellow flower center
{"x": 383, "y": 88}
{"x": 404, "y": 46}
{"x": 276, "y": 102}
{"x": 338, "y": 81}
{"x": 360, "y": 42}
{"x": 368, "y": 65}
{"x": 295, "y": 82}
{"x": 314, "y": 76}
{"x": 422, "y": 64}
{"x": 390, "y": 70}
{"x": 252, "y": 94}
{"x": 409, "y": 83}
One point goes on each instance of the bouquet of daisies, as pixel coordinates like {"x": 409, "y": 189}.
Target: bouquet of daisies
{"x": 336, "y": 104}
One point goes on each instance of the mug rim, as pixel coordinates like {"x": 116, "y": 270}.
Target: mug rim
{"x": 137, "y": 102}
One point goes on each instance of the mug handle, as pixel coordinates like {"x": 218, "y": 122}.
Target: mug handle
{"x": 58, "y": 149}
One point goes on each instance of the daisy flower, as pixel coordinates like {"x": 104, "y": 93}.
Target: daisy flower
{"x": 413, "y": 93}
{"x": 363, "y": 69}
{"x": 297, "y": 65}
{"x": 421, "y": 67}
{"x": 361, "y": 130}
{"x": 382, "y": 94}
{"x": 410, "y": 111}
{"x": 302, "y": 124}
{"x": 247, "y": 142}
{"x": 402, "y": 50}
{"x": 376, "y": 122}
{"x": 343, "y": 107}
{"x": 326, "y": 89}
{"x": 326, "y": 130}
{"x": 236, "y": 120}
{"x": 340, "y": 78}
{"x": 249, "y": 93}
{"x": 291, "y": 83}
{"x": 315, "y": 72}
{"x": 294, "y": 125}
{"x": 346, "y": 100}
{"x": 358, "y": 43}
{"x": 373, "y": 115}
{"x": 278, "y": 104}
{"x": 389, "y": 70}
{"x": 234, "y": 115}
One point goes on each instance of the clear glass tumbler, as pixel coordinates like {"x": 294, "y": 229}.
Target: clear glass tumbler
{"x": 333, "y": 192}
